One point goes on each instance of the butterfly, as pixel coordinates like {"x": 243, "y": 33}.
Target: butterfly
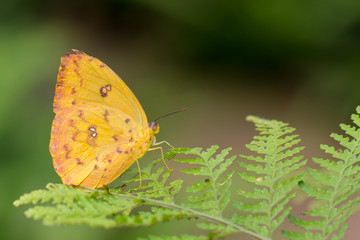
{"x": 100, "y": 128}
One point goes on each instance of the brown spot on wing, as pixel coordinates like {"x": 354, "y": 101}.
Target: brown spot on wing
{"x": 81, "y": 115}
{"x": 73, "y": 91}
{"x": 115, "y": 137}
{"x": 127, "y": 120}
{"x": 103, "y": 92}
{"x": 67, "y": 149}
{"x": 106, "y": 114}
{"x": 79, "y": 162}
{"x": 102, "y": 65}
{"x": 96, "y": 166}
{"x": 119, "y": 150}
{"x": 72, "y": 123}
{"x": 109, "y": 160}
{"x": 77, "y": 72}
{"x": 76, "y": 63}
{"x": 73, "y": 102}
{"x": 73, "y": 137}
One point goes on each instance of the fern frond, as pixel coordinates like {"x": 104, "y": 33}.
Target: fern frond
{"x": 60, "y": 204}
{"x": 155, "y": 183}
{"x": 339, "y": 182}
{"x": 213, "y": 193}
{"x": 270, "y": 170}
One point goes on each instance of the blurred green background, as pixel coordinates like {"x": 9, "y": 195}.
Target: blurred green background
{"x": 295, "y": 61}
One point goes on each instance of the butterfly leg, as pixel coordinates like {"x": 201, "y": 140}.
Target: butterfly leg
{"x": 137, "y": 162}
{"x": 162, "y": 142}
{"x": 106, "y": 189}
{"x": 162, "y": 155}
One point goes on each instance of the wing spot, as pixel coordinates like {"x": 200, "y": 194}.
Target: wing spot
{"x": 109, "y": 161}
{"x": 92, "y": 129}
{"x": 106, "y": 114}
{"x": 115, "y": 137}
{"x": 81, "y": 115}
{"x": 76, "y": 63}
{"x": 72, "y": 123}
{"x": 66, "y": 148}
{"x": 94, "y": 134}
{"x": 73, "y": 102}
{"x": 119, "y": 150}
{"x": 103, "y": 92}
{"x": 73, "y": 91}
{"x": 96, "y": 166}
{"x": 79, "y": 162}
{"x": 127, "y": 120}
{"x": 102, "y": 65}
{"x": 77, "y": 72}
{"x": 126, "y": 152}
{"x": 73, "y": 137}
{"x": 90, "y": 59}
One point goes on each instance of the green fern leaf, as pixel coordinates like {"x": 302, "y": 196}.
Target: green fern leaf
{"x": 213, "y": 195}
{"x": 269, "y": 170}
{"x": 337, "y": 183}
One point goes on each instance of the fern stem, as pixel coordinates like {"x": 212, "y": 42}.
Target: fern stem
{"x": 325, "y": 234}
{"x": 211, "y": 218}
{"x": 213, "y": 185}
{"x": 273, "y": 155}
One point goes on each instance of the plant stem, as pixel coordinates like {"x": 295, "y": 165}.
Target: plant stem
{"x": 211, "y": 218}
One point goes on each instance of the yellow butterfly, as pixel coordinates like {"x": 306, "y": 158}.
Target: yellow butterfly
{"x": 100, "y": 128}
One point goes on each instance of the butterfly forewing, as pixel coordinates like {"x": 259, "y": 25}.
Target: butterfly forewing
{"x": 84, "y": 79}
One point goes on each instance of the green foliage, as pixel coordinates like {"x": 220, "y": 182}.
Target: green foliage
{"x": 213, "y": 191}
{"x": 272, "y": 173}
{"x": 269, "y": 170}
{"x": 338, "y": 185}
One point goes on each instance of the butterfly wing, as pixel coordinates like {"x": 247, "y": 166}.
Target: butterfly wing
{"x": 92, "y": 144}
{"x": 100, "y": 128}
{"x": 84, "y": 79}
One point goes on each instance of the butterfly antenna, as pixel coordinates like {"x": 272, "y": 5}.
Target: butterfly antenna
{"x": 169, "y": 114}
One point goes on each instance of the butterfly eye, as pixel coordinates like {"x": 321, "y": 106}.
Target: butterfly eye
{"x": 155, "y": 127}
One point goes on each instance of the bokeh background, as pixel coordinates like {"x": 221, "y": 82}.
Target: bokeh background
{"x": 295, "y": 61}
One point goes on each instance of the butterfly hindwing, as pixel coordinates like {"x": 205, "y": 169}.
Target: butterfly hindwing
{"x": 92, "y": 142}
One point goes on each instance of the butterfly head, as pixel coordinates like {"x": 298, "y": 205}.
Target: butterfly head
{"x": 155, "y": 127}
